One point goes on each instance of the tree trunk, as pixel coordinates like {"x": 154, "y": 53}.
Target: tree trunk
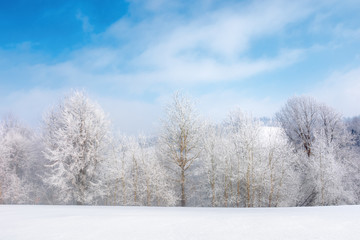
{"x": 183, "y": 196}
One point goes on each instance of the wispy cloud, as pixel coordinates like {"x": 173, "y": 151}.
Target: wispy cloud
{"x": 86, "y": 26}
{"x": 342, "y": 91}
{"x": 211, "y": 47}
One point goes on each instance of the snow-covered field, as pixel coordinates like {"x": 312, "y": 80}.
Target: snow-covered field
{"x": 89, "y": 222}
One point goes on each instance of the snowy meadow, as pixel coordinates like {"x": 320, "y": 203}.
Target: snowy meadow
{"x": 94, "y": 222}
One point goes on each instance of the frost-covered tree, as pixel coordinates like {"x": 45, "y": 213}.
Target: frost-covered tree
{"x": 217, "y": 167}
{"x": 353, "y": 179}
{"x": 256, "y": 164}
{"x": 244, "y": 135}
{"x": 180, "y": 143}
{"x": 136, "y": 175}
{"x": 212, "y": 162}
{"x": 119, "y": 191}
{"x": 330, "y": 173}
{"x": 154, "y": 185}
{"x": 303, "y": 119}
{"x": 8, "y": 179}
{"x": 76, "y": 135}
{"x": 280, "y": 181}
{"x": 15, "y": 162}
{"x": 353, "y": 126}
{"x": 331, "y": 125}
{"x": 309, "y": 157}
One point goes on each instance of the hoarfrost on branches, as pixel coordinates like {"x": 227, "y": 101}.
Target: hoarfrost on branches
{"x": 75, "y": 139}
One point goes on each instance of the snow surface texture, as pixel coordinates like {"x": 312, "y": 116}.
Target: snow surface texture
{"x": 89, "y": 222}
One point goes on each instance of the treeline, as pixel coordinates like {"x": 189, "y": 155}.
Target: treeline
{"x": 308, "y": 155}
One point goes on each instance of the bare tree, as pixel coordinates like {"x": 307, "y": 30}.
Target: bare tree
{"x": 299, "y": 119}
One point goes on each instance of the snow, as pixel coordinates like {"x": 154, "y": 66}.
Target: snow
{"x": 93, "y": 222}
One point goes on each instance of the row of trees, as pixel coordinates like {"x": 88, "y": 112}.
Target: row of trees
{"x": 308, "y": 155}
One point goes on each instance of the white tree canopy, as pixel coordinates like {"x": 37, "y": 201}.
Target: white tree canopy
{"x": 76, "y": 135}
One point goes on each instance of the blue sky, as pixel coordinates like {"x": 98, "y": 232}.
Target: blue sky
{"x": 130, "y": 56}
